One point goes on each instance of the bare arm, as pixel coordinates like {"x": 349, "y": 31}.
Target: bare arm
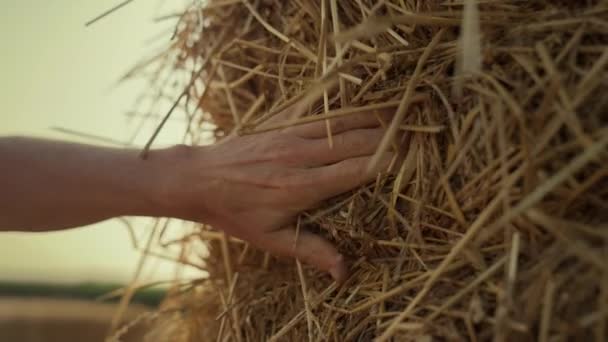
{"x": 50, "y": 185}
{"x": 252, "y": 187}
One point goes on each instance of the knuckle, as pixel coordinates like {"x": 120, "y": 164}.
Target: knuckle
{"x": 377, "y": 136}
{"x": 341, "y": 140}
{"x": 387, "y": 116}
{"x": 288, "y": 179}
{"x": 360, "y": 167}
{"x": 339, "y": 125}
{"x": 357, "y": 140}
{"x": 363, "y": 139}
{"x": 284, "y": 148}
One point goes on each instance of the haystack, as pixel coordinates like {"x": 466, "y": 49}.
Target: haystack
{"x": 495, "y": 226}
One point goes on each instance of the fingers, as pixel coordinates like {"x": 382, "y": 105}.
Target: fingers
{"x": 348, "y": 174}
{"x": 339, "y": 125}
{"x": 296, "y": 107}
{"x": 351, "y": 144}
{"x": 309, "y": 248}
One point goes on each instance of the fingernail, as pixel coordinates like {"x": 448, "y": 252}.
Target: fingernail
{"x": 338, "y": 271}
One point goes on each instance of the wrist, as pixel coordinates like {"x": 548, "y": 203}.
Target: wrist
{"x": 171, "y": 169}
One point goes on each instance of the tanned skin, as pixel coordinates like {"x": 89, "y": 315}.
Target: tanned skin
{"x": 251, "y": 187}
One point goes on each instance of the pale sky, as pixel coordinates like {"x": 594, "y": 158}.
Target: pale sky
{"x": 54, "y": 71}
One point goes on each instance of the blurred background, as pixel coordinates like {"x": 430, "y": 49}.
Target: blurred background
{"x": 59, "y": 80}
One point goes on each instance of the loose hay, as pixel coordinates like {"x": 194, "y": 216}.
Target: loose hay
{"x": 496, "y": 224}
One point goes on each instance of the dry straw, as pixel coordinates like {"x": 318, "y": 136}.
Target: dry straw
{"x": 496, "y": 224}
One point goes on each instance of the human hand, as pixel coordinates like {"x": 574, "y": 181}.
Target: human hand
{"x": 254, "y": 186}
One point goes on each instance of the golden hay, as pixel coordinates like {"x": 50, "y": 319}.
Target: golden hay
{"x": 496, "y": 225}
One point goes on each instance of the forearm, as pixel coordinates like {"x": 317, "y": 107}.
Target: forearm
{"x": 49, "y": 185}
{"x": 252, "y": 186}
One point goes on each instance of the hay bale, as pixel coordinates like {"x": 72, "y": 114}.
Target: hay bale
{"x": 496, "y": 225}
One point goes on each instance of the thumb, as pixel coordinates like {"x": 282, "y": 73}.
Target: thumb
{"x": 309, "y": 248}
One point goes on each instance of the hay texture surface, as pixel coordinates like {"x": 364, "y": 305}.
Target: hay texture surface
{"x": 495, "y": 226}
